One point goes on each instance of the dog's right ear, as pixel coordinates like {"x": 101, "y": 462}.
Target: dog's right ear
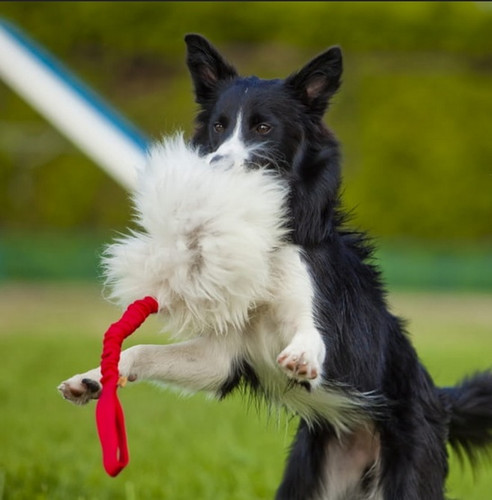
{"x": 207, "y": 67}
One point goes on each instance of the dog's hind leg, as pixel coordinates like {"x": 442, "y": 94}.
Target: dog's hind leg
{"x": 324, "y": 466}
{"x": 304, "y": 471}
{"x": 200, "y": 364}
{"x": 414, "y": 459}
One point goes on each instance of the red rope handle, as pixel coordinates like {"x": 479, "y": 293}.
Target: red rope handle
{"x": 109, "y": 414}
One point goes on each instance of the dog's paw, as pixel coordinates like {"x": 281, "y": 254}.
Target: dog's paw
{"x": 303, "y": 361}
{"x": 80, "y": 389}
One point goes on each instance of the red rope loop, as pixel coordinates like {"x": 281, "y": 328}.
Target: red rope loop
{"x": 109, "y": 414}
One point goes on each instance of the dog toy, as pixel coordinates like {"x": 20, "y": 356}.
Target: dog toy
{"x": 109, "y": 413}
{"x": 203, "y": 250}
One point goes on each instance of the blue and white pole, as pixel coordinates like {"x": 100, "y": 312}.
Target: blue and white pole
{"x": 74, "y": 109}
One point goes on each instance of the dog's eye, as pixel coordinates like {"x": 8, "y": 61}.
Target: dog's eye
{"x": 219, "y": 128}
{"x": 263, "y": 128}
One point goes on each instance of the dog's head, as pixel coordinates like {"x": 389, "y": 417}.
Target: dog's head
{"x": 254, "y": 122}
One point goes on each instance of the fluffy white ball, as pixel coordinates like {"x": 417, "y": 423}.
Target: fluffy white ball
{"x": 207, "y": 239}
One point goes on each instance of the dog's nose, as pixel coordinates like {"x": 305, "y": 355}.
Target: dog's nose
{"x": 215, "y": 159}
{"x": 221, "y": 160}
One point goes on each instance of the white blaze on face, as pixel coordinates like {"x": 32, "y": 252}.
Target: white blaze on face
{"x": 233, "y": 151}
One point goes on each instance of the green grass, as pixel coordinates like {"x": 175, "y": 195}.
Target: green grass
{"x": 180, "y": 448}
{"x": 405, "y": 263}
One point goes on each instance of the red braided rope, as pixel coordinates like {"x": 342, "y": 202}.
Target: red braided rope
{"x": 109, "y": 414}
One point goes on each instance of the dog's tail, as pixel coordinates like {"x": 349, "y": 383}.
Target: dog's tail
{"x": 470, "y": 405}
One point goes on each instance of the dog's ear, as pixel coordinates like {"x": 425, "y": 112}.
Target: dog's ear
{"x": 207, "y": 67}
{"x": 318, "y": 80}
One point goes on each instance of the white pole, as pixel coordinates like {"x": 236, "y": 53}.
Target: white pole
{"x": 71, "y": 107}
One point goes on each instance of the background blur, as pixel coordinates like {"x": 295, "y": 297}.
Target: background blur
{"x": 414, "y": 116}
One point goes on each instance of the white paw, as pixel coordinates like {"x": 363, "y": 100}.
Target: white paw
{"x": 302, "y": 359}
{"x": 80, "y": 389}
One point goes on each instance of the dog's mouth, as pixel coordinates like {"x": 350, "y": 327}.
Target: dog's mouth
{"x": 228, "y": 162}
{"x": 267, "y": 159}
{"x": 257, "y": 158}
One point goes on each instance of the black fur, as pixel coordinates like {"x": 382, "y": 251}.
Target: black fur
{"x": 368, "y": 347}
{"x": 470, "y": 405}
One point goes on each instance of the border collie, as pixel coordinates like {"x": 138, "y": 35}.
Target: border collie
{"x": 319, "y": 339}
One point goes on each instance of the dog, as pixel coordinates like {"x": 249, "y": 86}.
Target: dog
{"x": 322, "y": 343}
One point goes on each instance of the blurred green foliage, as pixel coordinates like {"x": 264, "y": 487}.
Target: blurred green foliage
{"x": 414, "y": 113}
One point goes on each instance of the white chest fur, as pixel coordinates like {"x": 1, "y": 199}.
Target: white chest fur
{"x": 264, "y": 338}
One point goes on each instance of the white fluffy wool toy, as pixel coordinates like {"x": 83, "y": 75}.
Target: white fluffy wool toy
{"x": 208, "y": 239}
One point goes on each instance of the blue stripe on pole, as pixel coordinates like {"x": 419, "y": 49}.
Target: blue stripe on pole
{"x": 90, "y": 97}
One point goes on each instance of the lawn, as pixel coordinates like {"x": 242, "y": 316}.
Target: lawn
{"x": 181, "y": 448}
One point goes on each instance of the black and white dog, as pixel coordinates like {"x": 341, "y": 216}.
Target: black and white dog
{"x": 317, "y": 336}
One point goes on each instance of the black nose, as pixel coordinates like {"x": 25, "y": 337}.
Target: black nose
{"x": 216, "y": 159}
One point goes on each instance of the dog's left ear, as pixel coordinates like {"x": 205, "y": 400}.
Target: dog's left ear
{"x": 316, "y": 82}
{"x": 207, "y": 67}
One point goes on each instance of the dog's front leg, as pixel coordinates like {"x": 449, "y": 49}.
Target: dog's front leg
{"x": 302, "y": 359}
{"x": 201, "y": 364}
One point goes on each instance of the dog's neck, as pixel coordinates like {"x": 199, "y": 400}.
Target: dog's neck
{"x": 314, "y": 199}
